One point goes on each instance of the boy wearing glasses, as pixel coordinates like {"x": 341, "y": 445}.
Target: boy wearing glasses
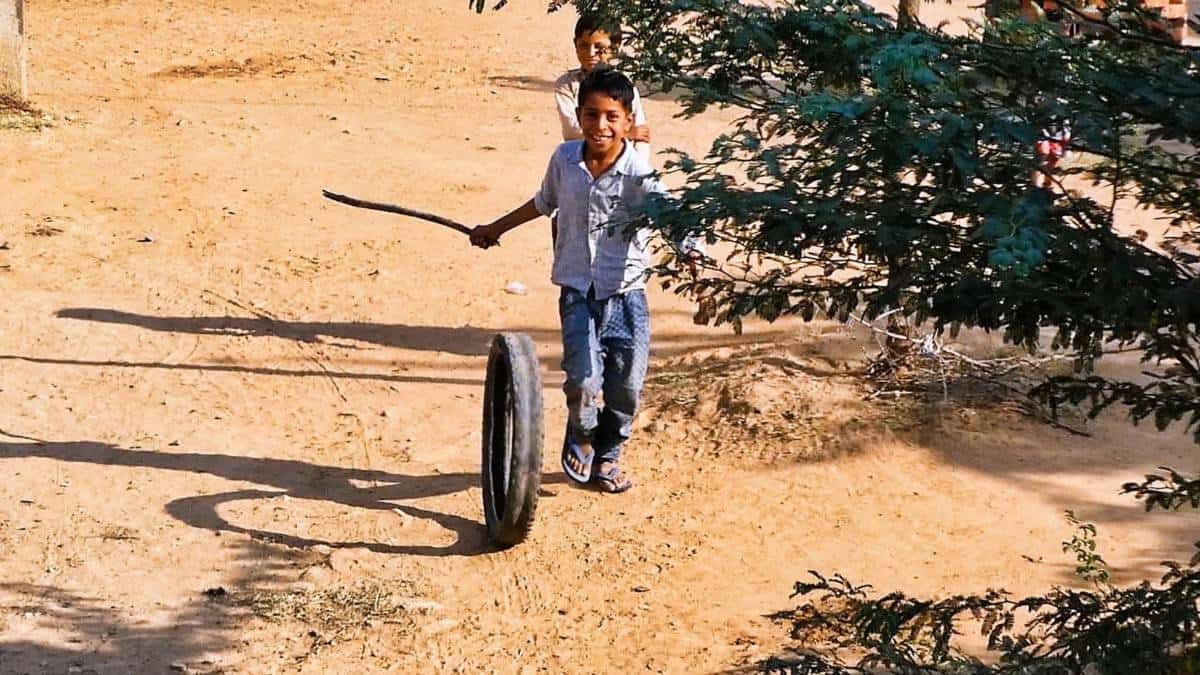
{"x": 596, "y": 39}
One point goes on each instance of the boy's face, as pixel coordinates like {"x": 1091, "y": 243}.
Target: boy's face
{"x": 592, "y": 49}
{"x": 604, "y": 120}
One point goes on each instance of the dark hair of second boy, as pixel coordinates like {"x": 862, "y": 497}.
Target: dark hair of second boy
{"x": 590, "y": 23}
{"x": 609, "y": 82}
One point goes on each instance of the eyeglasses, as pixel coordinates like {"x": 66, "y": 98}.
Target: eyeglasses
{"x": 599, "y": 50}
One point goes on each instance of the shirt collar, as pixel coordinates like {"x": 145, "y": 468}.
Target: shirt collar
{"x": 621, "y": 166}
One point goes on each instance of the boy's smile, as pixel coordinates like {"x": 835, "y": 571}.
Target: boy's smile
{"x": 605, "y": 123}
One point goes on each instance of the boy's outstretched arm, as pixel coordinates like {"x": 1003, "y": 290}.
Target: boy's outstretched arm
{"x": 486, "y": 236}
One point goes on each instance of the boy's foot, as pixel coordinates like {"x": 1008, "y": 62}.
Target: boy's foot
{"x": 577, "y": 460}
{"x": 609, "y": 478}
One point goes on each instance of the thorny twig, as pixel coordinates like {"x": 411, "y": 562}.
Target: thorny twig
{"x": 929, "y": 347}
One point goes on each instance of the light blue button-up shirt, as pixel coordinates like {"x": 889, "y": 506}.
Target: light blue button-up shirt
{"x": 594, "y": 248}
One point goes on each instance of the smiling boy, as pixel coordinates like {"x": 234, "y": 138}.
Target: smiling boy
{"x": 598, "y": 186}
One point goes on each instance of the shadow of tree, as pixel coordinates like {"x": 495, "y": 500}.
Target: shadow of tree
{"x": 56, "y": 630}
{"x": 523, "y": 82}
{"x": 248, "y": 370}
{"x": 466, "y": 341}
{"x": 1051, "y": 466}
{"x": 293, "y": 479}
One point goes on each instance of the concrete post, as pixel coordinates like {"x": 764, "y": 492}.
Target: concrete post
{"x": 12, "y": 48}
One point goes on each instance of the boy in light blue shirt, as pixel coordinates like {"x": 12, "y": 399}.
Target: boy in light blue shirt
{"x": 598, "y": 185}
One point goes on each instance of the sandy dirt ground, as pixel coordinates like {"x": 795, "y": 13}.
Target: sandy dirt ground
{"x": 240, "y": 423}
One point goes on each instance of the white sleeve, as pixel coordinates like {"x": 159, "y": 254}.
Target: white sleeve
{"x": 568, "y": 118}
{"x": 639, "y": 119}
{"x": 639, "y": 113}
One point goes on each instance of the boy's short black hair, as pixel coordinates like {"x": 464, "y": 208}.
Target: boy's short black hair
{"x": 590, "y": 23}
{"x": 611, "y": 83}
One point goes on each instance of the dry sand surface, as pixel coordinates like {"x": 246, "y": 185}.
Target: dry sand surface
{"x": 213, "y": 380}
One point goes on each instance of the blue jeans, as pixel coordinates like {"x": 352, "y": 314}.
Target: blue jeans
{"x": 606, "y": 346}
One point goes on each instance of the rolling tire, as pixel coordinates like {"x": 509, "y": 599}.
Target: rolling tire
{"x": 512, "y": 438}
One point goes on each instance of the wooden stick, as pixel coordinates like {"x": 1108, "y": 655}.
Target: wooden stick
{"x": 402, "y": 210}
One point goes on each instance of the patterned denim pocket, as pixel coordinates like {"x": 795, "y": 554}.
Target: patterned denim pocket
{"x": 626, "y": 320}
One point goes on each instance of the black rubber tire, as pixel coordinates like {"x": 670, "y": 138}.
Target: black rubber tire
{"x": 512, "y": 438}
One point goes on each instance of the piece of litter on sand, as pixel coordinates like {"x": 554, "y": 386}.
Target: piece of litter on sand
{"x": 516, "y": 288}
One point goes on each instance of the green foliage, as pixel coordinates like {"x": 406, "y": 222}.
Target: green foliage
{"x": 1150, "y": 629}
{"x": 875, "y": 168}
{"x": 1170, "y": 492}
{"x": 1089, "y": 565}
{"x": 479, "y": 5}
